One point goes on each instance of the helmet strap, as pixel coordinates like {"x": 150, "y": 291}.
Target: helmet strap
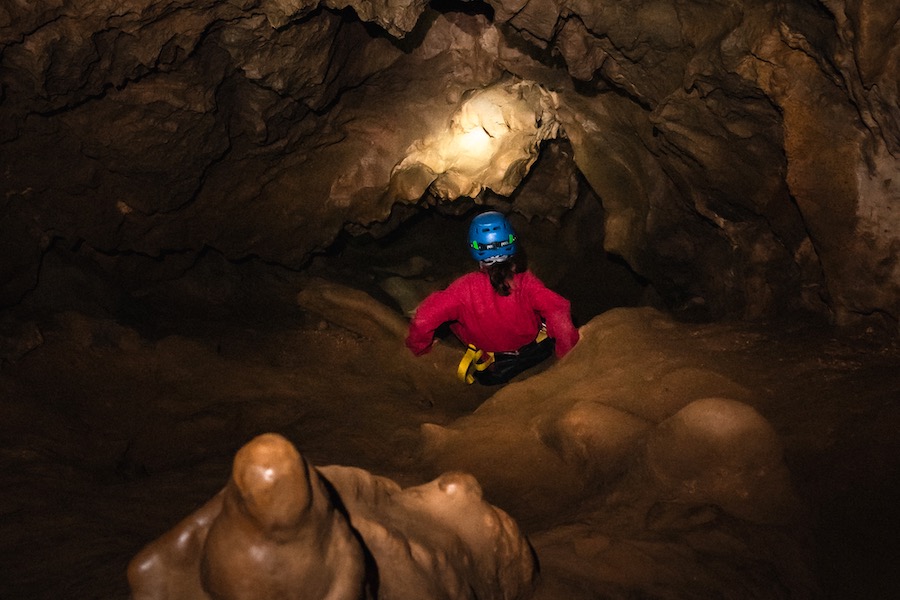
{"x": 495, "y": 259}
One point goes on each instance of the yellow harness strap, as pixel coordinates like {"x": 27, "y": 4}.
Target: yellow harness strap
{"x": 473, "y": 360}
{"x": 479, "y": 360}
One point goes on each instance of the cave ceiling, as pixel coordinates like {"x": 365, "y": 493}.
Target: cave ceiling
{"x": 745, "y": 153}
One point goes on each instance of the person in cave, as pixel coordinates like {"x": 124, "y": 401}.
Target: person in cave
{"x": 508, "y": 319}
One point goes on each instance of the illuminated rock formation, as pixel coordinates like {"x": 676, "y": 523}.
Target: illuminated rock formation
{"x": 745, "y": 154}
{"x": 273, "y": 532}
{"x": 282, "y": 528}
{"x": 670, "y": 473}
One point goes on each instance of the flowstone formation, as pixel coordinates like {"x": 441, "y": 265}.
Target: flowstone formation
{"x": 745, "y": 153}
{"x": 273, "y": 532}
{"x": 660, "y": 476}
{"x": 283, "y": 528}
{"x": 650, "y": 461}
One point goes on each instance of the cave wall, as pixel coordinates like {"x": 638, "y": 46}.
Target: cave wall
{"x": 744, "y": 152}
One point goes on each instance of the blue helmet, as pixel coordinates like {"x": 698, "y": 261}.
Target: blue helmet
{"x": 491, "y": 237}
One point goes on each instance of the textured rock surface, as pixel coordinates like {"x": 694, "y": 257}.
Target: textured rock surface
{"x": 722, "y": 452}
{"x": 273, "y": 531}
{"x": 669, "y": 467}
{"x": 437, "y": 540}
{"x": 745, "y": 153}
{"x": 111, "y": 434}
{"x": 277, "y": 530}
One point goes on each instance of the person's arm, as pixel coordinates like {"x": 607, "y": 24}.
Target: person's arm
{"x": 435, "y": 310}
{"x": 556, "y": 313}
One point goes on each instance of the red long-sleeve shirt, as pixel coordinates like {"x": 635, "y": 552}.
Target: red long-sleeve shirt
{"x": 480, "y": 316}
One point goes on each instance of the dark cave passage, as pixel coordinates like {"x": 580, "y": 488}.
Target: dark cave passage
{"x": 398, "y": 266}
{"x": 137, "y": 397}
{"x": 428, "y": 250}
{"x": 217, "y": 218}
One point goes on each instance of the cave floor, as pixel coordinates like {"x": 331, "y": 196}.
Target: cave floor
{"x": 109, "y": 436}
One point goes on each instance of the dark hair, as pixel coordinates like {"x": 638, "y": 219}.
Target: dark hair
{"x": 501, "y": 273}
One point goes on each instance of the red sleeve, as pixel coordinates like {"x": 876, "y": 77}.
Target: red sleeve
{"x": 556, "y": 313}
{"x": 435, "y": 310}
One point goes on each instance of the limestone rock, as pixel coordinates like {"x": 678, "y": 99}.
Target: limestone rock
{"x": 272, "y": 532}
{"x": 437, "y": 540}
{"x": 724, "y": 452}
{"x": 663, "y": 478}
{"x": 277, "y": 529}
{"x": 490, "y": 143}
{"x": 745, "y": 153}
